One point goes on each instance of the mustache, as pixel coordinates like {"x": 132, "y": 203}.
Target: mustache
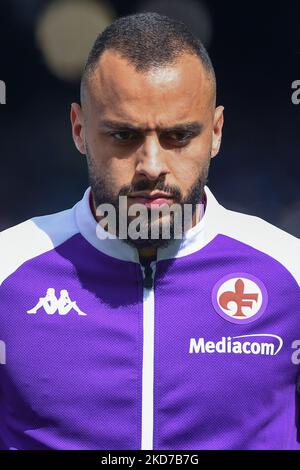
{"x": 173, "y": 190}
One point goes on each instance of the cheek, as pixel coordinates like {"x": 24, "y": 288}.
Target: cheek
{"x": 187, "y": 167}
{"x": 119, "y": 171}
{"x": 199, "y": 154}
{"x": 187, "y": 172}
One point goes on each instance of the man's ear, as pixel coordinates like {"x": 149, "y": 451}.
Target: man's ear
{"x": 217, "y": 130}
{"x": 78, "y": 130}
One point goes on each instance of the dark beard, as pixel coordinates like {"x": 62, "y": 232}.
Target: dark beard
{"x": 102, "y": 195}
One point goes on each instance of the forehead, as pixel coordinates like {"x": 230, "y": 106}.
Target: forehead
{"x": 160, "y": 95}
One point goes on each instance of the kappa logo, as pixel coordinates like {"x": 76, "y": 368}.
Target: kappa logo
{"x": 51, "y": 304}
{"x": 240, "y": 298}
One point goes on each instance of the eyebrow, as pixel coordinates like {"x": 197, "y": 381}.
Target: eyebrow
{"x": 195, "y": 127}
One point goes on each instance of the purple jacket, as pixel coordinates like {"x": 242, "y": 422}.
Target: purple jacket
{"x": 93, "y": 357}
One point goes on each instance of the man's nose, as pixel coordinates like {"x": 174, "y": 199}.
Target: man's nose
{"x": 151, "y": 161}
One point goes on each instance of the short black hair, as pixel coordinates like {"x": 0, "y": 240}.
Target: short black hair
{"x": 148, "y": 40}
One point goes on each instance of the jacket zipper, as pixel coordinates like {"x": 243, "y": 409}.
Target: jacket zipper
{"x": 148, "y": 356}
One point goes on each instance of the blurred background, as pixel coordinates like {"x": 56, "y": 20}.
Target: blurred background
{"x": 255, "y": 48}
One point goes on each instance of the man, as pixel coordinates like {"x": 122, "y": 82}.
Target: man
{"x": 187, "y": 342}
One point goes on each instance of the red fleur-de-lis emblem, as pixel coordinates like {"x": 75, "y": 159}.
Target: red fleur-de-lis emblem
{"x": 240, "y": 298}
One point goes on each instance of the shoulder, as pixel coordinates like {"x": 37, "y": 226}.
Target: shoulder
{"x": 261, "y": 235}
{"x": 34, "y": 237}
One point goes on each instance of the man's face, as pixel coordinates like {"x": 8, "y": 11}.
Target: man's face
{"x": 148, "y": 131}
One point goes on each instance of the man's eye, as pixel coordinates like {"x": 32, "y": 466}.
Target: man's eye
{"x": 122, "y": 136}
{"x": 179, "y": 136}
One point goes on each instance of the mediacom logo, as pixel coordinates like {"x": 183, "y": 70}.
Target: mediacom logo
{"x": 244, "y": 344}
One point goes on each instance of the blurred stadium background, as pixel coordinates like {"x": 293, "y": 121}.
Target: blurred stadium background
{"x": 255, "y": 48}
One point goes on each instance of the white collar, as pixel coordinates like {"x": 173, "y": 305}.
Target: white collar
{"x": 193, "y": 240}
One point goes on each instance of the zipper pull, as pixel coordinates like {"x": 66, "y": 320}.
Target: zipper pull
{"x": 148, "y": 276}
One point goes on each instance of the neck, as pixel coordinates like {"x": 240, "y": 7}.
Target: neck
{"x": 147, "y": 252}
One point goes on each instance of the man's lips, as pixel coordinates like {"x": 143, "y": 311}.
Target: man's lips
{"x": 152, "y": 195}
{"x": 149, "y": 199}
